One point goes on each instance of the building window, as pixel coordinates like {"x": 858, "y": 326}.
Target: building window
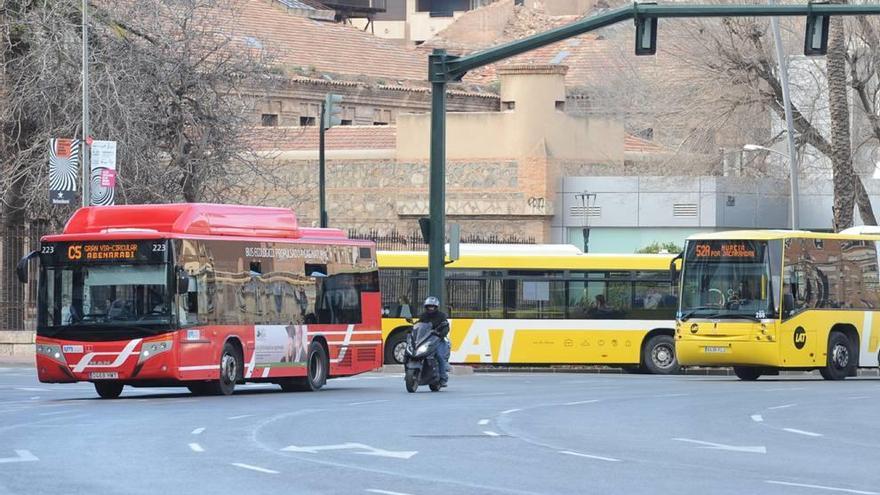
{"x": 269, "y": 120}
{"x": 345, "y": 122}
{"x": 560, "y": 105}
{"x": 306, "y": 121}
{"x": 508, "y": 105}
{"x": 380, "y": 123}
{"x": 381, "y": 116}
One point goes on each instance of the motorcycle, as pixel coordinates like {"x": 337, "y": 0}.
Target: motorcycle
{"x": 420, "y": 360}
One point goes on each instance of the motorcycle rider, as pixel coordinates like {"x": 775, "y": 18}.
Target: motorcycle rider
{"x": 440, "y": 325}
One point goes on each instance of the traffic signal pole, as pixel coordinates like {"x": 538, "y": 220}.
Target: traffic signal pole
{"x": 322, "y": 181}
{"x": 444, "y": 68}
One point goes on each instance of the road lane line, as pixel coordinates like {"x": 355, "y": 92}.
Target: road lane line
{"x": 757, "y": 418}
{"x": 54, "y": 413}
{"x": 491, "y": 434}
{"x": 785, "y": 389}
{"x": 385, "y": 492}
{"x": 198, "y": 431}
{"x": 368, "y": 402}
{"x": 782, "y": 407}
{"x": 580, "y": 402}
{"x": 254, "y": 468}
{"x": 597, "y": 457}
{"x": 820, "y": 487}
{"x": 858, "y": 397}
{"x": 483, "y": 422}
{"x": 509, "y": 411}
{"x": 196, "y": 447}
{"x": 240, "y": 417}
{"x": 20, "y": 456}
{"x": 802, "y": 432}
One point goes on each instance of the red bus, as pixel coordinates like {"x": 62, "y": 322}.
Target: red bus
{"x": 204, "y": 296}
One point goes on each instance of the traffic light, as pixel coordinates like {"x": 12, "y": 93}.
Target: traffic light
{"x": 816, "y": 38}
{"x": 646, "y": 35}
{"x": 425, "y": 227}
{"x": 332, "y": 110}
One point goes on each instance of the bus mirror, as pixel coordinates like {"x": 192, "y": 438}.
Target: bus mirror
{"x": 22, "y": 268}
{"x": 182, "y": 282}
{"x": 673, "y": 269}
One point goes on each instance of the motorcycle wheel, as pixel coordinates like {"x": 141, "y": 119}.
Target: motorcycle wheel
{"x": 435, "y": 387}
{"x": 411, "y": 383}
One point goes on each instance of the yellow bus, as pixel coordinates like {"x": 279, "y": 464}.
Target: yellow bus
{"x": 762, "y": 301}
{"x": 540, "y": 304}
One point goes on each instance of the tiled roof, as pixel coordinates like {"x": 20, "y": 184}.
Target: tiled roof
{"x": 326, "y": 46}
{"x": 590, "y": 57}
{"x": 337, "y": 138}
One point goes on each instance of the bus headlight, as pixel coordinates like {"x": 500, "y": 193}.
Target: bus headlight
{"x": 51, "y": 351}
{"x": 150, "y": 349}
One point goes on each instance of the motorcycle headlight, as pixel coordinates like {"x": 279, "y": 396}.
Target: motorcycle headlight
{"x": 423, "y": 349}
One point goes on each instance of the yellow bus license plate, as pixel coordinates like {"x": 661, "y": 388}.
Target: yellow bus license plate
{"x": 714, "y": 349}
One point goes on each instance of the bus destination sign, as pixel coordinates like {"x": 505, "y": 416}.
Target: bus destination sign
{"x": 104, "y": 251}
{"x": 730, "y": 250}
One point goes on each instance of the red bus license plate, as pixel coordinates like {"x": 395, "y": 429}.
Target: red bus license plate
{"x": 105, "y": 375}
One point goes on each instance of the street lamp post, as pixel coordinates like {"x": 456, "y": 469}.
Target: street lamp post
{"x": 793, "y": 178}
{"x": 84, "y": 145}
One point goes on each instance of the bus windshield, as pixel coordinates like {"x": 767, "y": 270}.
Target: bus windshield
{"x": 730, "y": 279}
{"x": 112, "y": 295}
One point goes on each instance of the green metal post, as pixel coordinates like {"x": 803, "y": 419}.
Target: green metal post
{"x": 436, "y": 250}
{"x": 322, "y": 191}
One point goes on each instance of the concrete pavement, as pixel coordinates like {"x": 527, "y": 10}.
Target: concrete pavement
{"x": 508, "y": 433}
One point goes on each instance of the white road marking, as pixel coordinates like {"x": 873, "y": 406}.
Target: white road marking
{"x": 198, "y": 431}
{"x": 598, "y": 457}
{"x": 820, "y": 487}
{"x": 20, "y": 456}
{"x": 240, "y": 417}
{"x": 581, "y": 402}
{"x": 368, "y": 402}
{"x": 35, "y": 397}
{"x": 254, "y": 468}
{"x": 483, "y": 422}
{"x": 385, "y": 492}
{"x": 785, "y": 389}
{"x": 314, "y": 449}
{"x": 33, "y": 389}
{"x": 196, "y": 447}
{"x": 757, "y": 418}
{"x": 782, "y": 407}
{"x": 509, "y": 411}
{"x": 663, "y": 396}
{"x": 720, "y": 446}
{"x": 491, "y": 434}
{"x": 858, "y": 397}
{"x": 802, "y": 432}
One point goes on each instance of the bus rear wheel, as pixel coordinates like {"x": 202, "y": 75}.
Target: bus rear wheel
{"x": 317, "y": 369}
{"x": 840, "y": 358}
{"x": 747, "y": 373}
{"x": 109, "y": 390}
{"x": 658, "y": 355}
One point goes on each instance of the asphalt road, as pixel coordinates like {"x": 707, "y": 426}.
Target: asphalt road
{"x": 485, "y": 434}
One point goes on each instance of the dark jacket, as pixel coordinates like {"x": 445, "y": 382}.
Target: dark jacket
{"x": 438, "y": 322}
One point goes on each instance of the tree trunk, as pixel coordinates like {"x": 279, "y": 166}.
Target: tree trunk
{"x": 863, "y": 202}
{"x": 844, "y": 177}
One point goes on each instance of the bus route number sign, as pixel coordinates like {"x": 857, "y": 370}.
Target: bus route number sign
{"x": 724, "y": 250}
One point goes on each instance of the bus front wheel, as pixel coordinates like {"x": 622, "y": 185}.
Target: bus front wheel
{"x": 658, "y": 355}
{"x": 840, "y": 357}
{"x": 109, "y": 390}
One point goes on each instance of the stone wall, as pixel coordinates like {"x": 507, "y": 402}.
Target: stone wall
{"x": 491, "y": 197}
{"x": 17, "y": 346}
